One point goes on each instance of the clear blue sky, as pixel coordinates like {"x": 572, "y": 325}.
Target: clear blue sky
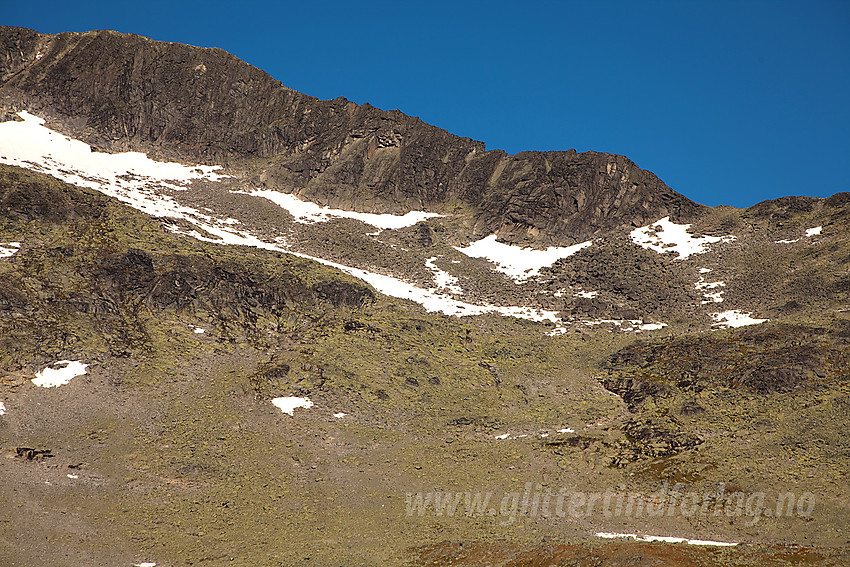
{"x": 727, "y": 102}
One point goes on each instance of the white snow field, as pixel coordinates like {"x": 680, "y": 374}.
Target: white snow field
{"x": 816, "y": 231}
{"x": 138, "y": 181}
{"x": 307, "y": 212}
{"x": 32, "y": 145}
{"x": 628, "y": 324}
{"x": 517, "y": 262}
{"x": 543, "y": 434}
{"x": 59, "y": 373}
{"x": 587, "y": 294}
{"x": 8, "y": 249}
{"x": 666, "y": 236}
{"x": 634, "y": 325}
{"x": 734, "y": 318}
{"x": 443, "y": 279}
{"x": 710, "y": 296}
{"x": 388, "y": 285}
{"x": 287, "y": 404}
{"x": 666, "y": 539}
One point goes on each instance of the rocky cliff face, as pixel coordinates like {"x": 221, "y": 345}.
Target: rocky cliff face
{"x": 123, "y": 92}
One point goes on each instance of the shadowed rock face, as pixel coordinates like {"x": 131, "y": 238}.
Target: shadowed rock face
{"x": 122, "y": 92}
{"x": 759, "y": 361}
{"x": 19, "y": 49}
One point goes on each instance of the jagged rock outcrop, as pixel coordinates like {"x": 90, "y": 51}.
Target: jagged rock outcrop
{"x": 762, "y": 361}
{"x": 122, "y": 92}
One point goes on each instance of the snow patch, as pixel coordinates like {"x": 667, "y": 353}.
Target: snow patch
{"x": 2, "y": 408}
{"x": 651, "y": 326}
{"x": 443, "y": 279}
{"x": 59, "y": 373}
{"x": 517, "y": 262}
{"x": 287, "y": 404}
{"x": 809, "y": 233}
{"x": 710, "y": 296}
{"x": 567, "y": 430}
{"x": 307, "y": 212}
{"x": 587, "y": 294}
{"x": 32, "y": 145}
{"x": 636, "y": 325}
{"x": 131, "y": 177}
{"x": 431, "y": 300}
{"x": 8, "y": 249}
{"x": 734, "y": 318}
{"x": 520, "y": 436}
{"x": 667, "y": 236}
{"x": 666, "y": 539}
{"x": 199, "y": 331}
{"x": 145, "y": 564}
{"x": 340, "y": 415}
{"x": 529, "y": 313}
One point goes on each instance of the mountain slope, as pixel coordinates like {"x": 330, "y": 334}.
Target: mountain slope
{"x": 170, "y": 450}
{"x": 272, "y": 382}
{"x": 121, "y": 91}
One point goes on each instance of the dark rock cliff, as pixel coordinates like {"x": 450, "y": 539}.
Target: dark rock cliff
{"x": 120, "y": 92}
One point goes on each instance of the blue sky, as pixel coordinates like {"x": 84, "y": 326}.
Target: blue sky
{"x": 727, "y": 102}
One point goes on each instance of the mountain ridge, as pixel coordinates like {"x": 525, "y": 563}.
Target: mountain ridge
{"x": 121, "y": 92}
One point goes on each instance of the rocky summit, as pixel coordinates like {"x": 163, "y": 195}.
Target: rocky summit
{"x": 243, "y": 326}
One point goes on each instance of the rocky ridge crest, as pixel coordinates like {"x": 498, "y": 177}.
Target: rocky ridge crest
{"x": 122, "y": 92}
